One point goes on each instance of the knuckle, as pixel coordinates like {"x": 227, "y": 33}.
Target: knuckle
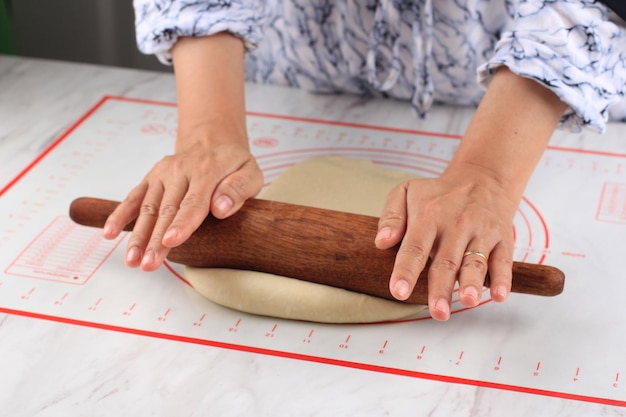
{"x": 169, "y": 166}
{"x": 161, "y": 167}
{"x": 444, "y": 264}
{"x": 391, "y": 216}
{"x": 431, "y": 209}
{"x": 476, "y": 263}
{"x": 167, "y": 211}
{"x": 137, "y": 238}
{"x": 148, "y": 209}
{"x": 198, "y": 201}
{"x": 464, "y": 220}
{"x": 239, "y": 185}
{"x": 413, "y": 251}
{"x": 132, "y": 199}
{"x": 168, "y": 162}
{"x": 504, "y": 261}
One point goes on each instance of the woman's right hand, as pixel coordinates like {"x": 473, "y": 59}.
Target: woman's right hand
{"x": 211, "y": 169}
{"x": 178, "y": 193}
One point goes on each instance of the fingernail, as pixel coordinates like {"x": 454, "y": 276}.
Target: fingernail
{"x": 471, "y": 292}
{"x": 501, "y": 292}
{"x": 224, "y": 204}
{"x": 148, "y": 258}
{"x": 133, "y": 255}
{"x": 171, "y": 233}
{"x": 401, "y": 288}
{"x": 384, "y": 233}
{"x": 107, "y": 230}
{"x": 442, "y": 306}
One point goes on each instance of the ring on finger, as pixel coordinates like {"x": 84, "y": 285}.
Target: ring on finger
{"x": 475, "y": 252}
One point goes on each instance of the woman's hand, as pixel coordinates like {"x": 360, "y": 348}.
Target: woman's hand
{"x": 211, "y": 169}
{"x": 176, "y": 196}
{"x": 442, "y": 219}
{"x": 463, "y": 220}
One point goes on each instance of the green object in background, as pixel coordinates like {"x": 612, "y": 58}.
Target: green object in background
{"x": 7, "y": 43}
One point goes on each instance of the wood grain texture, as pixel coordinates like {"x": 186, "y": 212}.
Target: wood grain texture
{"x": 317, "y": 245}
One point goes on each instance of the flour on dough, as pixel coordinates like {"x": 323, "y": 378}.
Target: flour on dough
{"x": 330, "y": 182}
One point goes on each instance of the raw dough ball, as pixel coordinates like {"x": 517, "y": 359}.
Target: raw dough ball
{"x": 330, "y": 182}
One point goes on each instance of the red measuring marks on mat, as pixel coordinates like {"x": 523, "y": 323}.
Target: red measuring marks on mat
{"x": 64, "y": 252}
{"x": 612, "y": 207}
{"x": 447, "y": 354}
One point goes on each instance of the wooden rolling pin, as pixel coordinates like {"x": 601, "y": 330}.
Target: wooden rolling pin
{"x": 322, "y": 246}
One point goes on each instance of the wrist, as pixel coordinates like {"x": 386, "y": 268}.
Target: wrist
{"x": 210, "y": 136}
{"x": 509, "y": 132}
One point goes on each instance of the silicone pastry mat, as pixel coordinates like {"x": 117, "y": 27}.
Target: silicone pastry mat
{"x": 573, "y": 216}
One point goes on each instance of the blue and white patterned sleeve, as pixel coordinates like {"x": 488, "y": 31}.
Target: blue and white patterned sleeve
{"x": 577, "y": 48}
{"x": 159, "y": 23}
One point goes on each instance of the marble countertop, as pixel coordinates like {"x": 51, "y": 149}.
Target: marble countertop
{"x": 49, "y": 368}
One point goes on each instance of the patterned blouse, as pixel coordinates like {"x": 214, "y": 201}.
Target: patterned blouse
{"x": 423, "y": 51}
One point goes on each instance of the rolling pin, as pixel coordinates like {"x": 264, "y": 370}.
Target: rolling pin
{"x": 317, "y": 245}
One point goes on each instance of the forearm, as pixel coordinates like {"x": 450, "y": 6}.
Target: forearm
{"x": 209, "y": 75}
{"x": 509, "y": 132}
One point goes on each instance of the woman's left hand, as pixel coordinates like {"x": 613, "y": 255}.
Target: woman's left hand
{"x": 463, "y": 222}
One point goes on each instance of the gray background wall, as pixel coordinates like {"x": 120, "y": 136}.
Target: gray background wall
{"x": 93, "y": 31}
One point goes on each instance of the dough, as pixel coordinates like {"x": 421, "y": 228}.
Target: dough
{"x": 331, "y": 182}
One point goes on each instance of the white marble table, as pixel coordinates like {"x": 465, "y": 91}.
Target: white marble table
{"x": 51, "y": 369}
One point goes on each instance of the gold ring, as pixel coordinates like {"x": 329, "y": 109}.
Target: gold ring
{"x": 475, "y": 252}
